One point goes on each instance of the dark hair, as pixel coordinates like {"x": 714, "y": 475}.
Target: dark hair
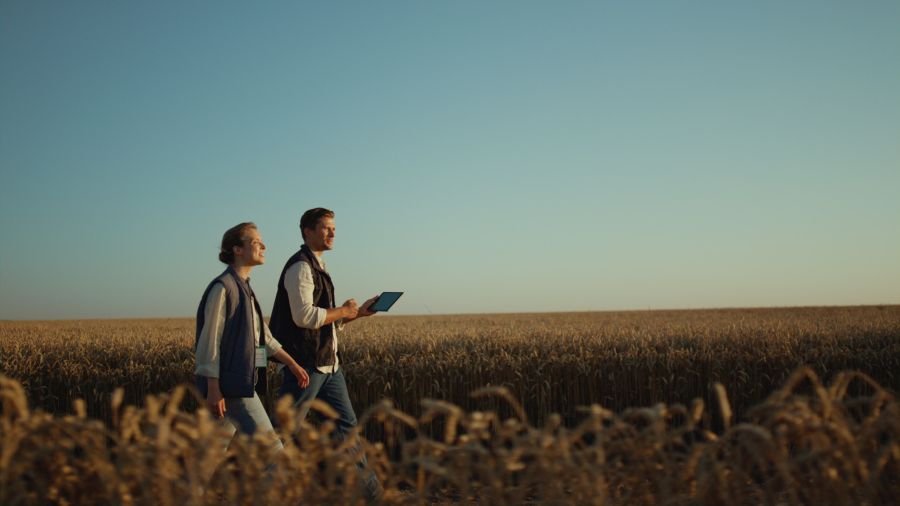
{"x": 311, "y": 218}
{"x": 234, "y": 236}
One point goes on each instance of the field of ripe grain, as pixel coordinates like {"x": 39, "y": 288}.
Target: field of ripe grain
{"x": 642, "y": 414}
{"x": 551, "y": 363}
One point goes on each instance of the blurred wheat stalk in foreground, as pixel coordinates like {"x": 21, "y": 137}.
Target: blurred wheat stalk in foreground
{"x": 806, "y": 444}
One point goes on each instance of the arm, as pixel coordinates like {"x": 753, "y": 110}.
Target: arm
{"x": 345, "y": 312}
{"x": 215, "y": 402}
{"x": 275, "y": 351}
{"x": 207, "y": 354}
{"x": 298, "y": 283}
{"x": 363, "y": 310}
{"x": 294, "y": 367}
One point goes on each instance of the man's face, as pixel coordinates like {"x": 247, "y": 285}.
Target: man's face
{"x": 253, "y": 252}
{"x": 321, "y": 238}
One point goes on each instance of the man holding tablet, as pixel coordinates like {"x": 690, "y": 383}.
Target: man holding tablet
{"x": 306, "y": 321}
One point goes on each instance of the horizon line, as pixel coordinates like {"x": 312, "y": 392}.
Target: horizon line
{"x": 510, "y": 313}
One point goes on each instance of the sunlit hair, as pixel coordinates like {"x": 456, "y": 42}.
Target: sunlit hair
{"x": 310, "y": 219}
{"x": 234, "y": 236}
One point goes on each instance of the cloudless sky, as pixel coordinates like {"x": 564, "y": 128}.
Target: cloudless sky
{"x": 480, "y": 156}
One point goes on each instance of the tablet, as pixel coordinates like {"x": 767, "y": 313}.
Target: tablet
{"x": 385, "y": 301}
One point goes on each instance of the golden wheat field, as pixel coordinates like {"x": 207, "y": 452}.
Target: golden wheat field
{"x": 655, "y": 407}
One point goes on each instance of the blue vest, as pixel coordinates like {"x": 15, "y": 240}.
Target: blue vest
{"x": 237, "y": 348}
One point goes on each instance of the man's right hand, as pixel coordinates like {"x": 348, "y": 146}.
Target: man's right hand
{"x": 350, "y": 309}
{"x": 214, "y": 400}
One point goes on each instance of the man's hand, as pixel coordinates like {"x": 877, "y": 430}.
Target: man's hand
{"x": 364, "y": 309}
{"x": 214, "y": 400}
{"x": 350, "y": 309}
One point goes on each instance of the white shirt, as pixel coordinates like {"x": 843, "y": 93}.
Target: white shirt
{"x": 207, "y": 354}
{"x": 298, "y": 281}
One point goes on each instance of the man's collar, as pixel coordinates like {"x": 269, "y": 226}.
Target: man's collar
{"x": 320, "y": 263}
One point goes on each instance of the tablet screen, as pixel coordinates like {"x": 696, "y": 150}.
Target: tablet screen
{"x": 385, "y": 301}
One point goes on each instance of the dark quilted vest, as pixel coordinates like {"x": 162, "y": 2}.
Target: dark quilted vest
{"x": 311, "y": 348}
{"x": 237, "y": 349}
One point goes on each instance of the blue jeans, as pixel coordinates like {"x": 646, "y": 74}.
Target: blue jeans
{"x": 247, "y": 415}
{"x": 331, "y": 388}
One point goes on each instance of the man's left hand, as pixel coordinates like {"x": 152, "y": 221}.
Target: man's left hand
{"x": 364, "y": 309}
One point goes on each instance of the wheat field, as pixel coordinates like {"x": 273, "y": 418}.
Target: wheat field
{"x": 742, "y": 406}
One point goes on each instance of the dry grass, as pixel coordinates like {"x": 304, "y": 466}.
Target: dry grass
{"x": 803, "y": 444}
{"x": 807, "y": 444}
{"x": 552, "y": 363}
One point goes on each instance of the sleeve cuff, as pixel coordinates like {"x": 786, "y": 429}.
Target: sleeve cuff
{"x": 272, "y": 347}
{"x": 321, "y": 314}
{"x": 207, "y": 370}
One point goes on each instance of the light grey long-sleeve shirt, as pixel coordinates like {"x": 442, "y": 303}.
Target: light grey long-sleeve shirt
{"x": 298, "y": 281}
{"x": 207, "y": 354}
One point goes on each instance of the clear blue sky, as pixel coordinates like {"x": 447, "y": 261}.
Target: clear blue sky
{"x": 481, "y": 156}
